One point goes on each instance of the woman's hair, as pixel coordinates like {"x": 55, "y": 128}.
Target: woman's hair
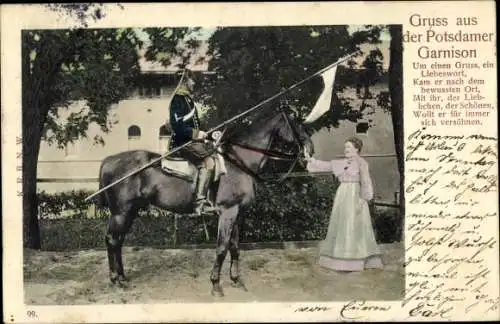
{"x": 356, "y": 142}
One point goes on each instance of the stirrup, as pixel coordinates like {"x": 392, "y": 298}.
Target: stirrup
{"x": 204, "y": 206}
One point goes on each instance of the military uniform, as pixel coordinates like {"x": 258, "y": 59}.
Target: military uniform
{"x": 185, "y": 123}
{"x": 185, "y": 127}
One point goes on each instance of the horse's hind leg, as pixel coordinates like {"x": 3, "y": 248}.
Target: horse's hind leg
{"x": 119, "y": 259}
{"x": 226, "y": 221}
{"x": 111, "y": 257}
{"x": 117, "y": 228}
{"x": 234, "y": 250}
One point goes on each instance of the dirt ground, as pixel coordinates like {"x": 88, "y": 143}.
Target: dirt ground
{"x": 159, "y": 276}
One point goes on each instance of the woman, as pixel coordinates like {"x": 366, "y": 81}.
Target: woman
{"x": 350, "y": 241}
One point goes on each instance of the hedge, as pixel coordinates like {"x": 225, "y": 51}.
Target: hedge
{"x": 297, "y": 209}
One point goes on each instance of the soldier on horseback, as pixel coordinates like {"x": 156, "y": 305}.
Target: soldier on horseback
{"x": 185, "y": 125}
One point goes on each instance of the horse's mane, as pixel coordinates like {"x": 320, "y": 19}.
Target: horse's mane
{"x": 239, "y": 130}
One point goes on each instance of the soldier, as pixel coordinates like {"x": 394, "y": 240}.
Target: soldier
{"x": 184, "y": 122}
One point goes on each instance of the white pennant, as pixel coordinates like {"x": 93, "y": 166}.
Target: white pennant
{"x": 325, "y": 99}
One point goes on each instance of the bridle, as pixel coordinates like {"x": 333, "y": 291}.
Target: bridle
{"x": 232, "y": 155}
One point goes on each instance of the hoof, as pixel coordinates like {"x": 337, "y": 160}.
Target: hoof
{"x": 238, "y": 283}
{"x": 123, "y": 278}
{"x": 217, "y": 291}
{"x": 122, "y": 281}
{"x": 122, "y": 284}
{"x": 113, "y": 277}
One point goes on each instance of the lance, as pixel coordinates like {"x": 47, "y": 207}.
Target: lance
{"x": 246, "y": 112}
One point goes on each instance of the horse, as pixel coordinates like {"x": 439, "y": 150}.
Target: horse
{"x": 245, "y": 152}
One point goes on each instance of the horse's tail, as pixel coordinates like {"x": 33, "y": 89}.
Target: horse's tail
{"x": 101, "y": 198}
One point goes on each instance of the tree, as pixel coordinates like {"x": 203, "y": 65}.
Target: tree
{"x": 371, "y": 73}
{"x": 254, "y": 63}
{"x": 60, "y": 66}
{"x": 392, "y": 101}
{"x": 397, "y": 113}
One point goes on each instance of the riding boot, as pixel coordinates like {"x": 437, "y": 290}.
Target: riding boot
{"x": 202, "y": 185}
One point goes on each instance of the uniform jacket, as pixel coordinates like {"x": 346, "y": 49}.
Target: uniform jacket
{"x": 183, "y": 130}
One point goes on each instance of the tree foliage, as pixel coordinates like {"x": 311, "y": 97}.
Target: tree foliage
{"x": 169, "y": 45}
{"x": 82, "y": 13}
{"x": 255, "y": 63}
{"x": 98, "y": 66}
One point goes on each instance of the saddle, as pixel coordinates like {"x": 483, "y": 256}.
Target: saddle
{"x": 180, "y": 168}
{"x": 186, "y": 170}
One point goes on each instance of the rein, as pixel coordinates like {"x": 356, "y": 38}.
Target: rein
{"x": 275, "y": 155}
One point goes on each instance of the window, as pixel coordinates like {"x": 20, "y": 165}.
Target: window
{"x": 163, "y": 139}
{"x": 150, "y": 91}
{"x": 164, "y": 131}
{"x": 134, "y": 136}
{"x": 362, "y": 128}
{"x": 134, "y": 132}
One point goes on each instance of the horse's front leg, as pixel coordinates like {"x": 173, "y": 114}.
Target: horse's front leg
{"x": 234, "y": 250}
{"x": 226, "y": 221}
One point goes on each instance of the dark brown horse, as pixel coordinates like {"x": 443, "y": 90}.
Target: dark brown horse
{"x": 245, "y": 153}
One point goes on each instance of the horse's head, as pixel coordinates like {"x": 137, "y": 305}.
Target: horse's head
{"x": 291, "y": 130}
{"x": 289, "y": 137}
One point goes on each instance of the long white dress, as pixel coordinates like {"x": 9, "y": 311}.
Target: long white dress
{"x": 350, "y": 243}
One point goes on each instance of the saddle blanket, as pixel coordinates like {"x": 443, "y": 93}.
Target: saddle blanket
{"x": 186, "y": 170}
{"x": 179, "y": 168}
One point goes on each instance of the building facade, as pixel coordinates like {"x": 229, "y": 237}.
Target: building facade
{"x": 138, "y": 122}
